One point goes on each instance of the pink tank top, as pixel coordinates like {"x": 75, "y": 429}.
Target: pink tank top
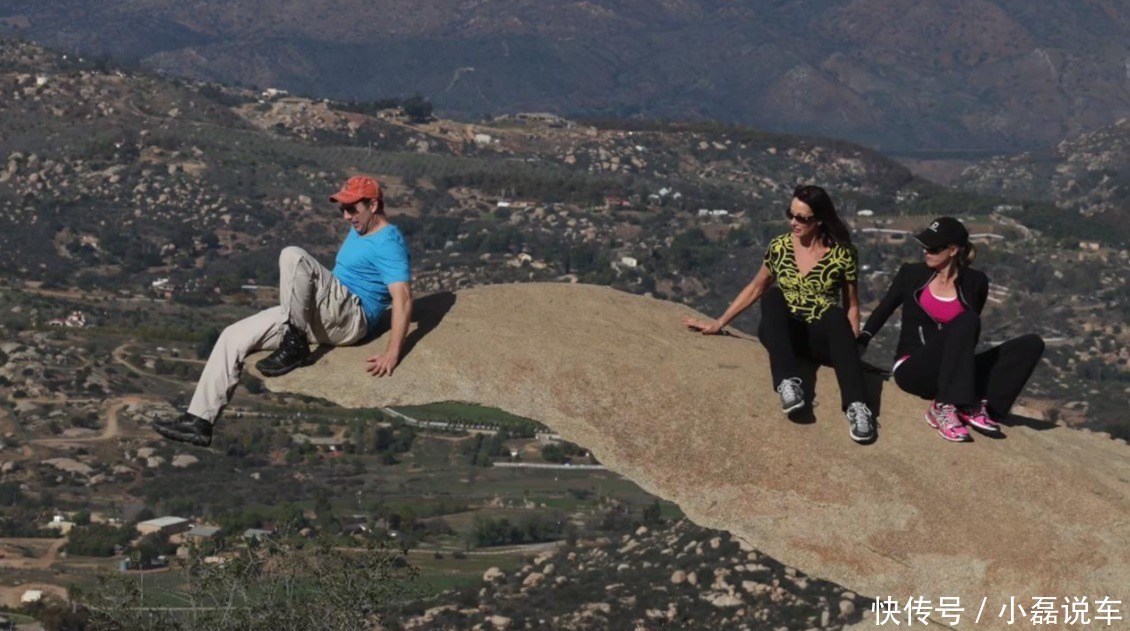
{"x": 941, "y": 309}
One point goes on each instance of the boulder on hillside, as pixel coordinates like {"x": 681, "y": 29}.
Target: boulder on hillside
{"x": 694, "y": 419}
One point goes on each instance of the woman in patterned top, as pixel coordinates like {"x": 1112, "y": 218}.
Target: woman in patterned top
{"x": 814, "y": 266}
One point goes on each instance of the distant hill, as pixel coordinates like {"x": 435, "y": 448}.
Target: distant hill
{"x": 1088, "y": 174}
{"x": 129, "y": 171}
{"x": 965, "y": 75}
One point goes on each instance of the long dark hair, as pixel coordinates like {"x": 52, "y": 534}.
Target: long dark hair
{"x": 833, "y": 231}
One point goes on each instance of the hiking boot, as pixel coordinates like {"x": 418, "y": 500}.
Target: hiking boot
{"x": 943, "y": 417}
{"x": 860, "y": 422}
{"x": 187, "y": 428}
{"x": 792, "y": 397}
{"x": 978, "y": 416}
{"x": 292, "y": 352}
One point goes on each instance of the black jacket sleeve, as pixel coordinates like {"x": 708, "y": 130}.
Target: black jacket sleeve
{"x": 982, "y": 293}
{"x": 980, "y": 290}
{"x": 893, "y": 299}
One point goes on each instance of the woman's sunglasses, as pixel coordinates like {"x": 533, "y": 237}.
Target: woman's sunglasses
{"x": 801, "y": 219}
{"x": 937, "y": 250}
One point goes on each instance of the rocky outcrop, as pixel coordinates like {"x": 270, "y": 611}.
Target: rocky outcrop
{"x": 694, "y": 419}
{"x": 639, "y": 580}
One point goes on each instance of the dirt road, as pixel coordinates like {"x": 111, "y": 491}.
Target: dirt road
{"x": 112, "y": 428}
{"x": 48, "y": 550}
{"x": 119, "y": 355}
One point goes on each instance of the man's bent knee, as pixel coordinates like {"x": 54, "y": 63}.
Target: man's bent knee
{"x": 227, "y": 336}
{"x": 290, "y": 256}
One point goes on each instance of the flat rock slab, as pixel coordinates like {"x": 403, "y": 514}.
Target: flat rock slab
{"x": 694, "y": 419}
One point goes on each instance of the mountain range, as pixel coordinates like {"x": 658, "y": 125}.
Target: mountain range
{"x": 931, "y": 78}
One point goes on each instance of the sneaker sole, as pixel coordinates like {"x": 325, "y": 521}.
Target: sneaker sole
{"x": 930, "y": 421}
{"x": 794, "y": 408}
{"x": 984, "y": 428}
{"x": 183, "y": 437}
{"x": 861, "y": 439}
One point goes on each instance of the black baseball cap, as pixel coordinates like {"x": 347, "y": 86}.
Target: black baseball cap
{"x": 942, "y": 232}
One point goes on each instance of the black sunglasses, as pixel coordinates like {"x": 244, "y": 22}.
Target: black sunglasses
{"x": 935, "y": 250}
{"x": 801, "y": 219}
{"x": 349, "y": 209}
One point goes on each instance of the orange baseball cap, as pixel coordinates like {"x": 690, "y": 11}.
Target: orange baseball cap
{"x": 356, "y": 189}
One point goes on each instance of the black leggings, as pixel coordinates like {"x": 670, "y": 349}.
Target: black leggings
{"x": 828, "y": 341}
{"x": 947, "y": 370}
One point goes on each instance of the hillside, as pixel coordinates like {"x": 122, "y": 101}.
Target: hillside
{"x": 676, "y": 577}
{"x": 968, "y": 75}
{"x": 173, "y": 175}
{"x": 120, "y": 181}
{"x": 1086, "y": 175}
{"x": 694, "y": 420}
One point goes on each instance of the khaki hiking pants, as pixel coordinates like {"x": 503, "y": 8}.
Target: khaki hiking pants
{"x": 310, "y": 298}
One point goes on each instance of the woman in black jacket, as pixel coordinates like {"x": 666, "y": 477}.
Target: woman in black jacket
{"x": 941, "y": 300}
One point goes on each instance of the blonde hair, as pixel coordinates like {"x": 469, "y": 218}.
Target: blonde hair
{"x": 965, "y": 256}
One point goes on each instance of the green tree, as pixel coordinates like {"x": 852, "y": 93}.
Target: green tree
{"x": 10, "y": 493}
{"x": 553, "y": 453}
{"x": 418, "y": 109}
{"x": 97, "y": 540}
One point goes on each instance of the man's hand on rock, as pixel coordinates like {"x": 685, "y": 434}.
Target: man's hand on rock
{"x": 707, "y": 327}
{"x": 382, "y": 365}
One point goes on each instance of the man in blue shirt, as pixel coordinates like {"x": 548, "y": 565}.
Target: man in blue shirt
{"x": 338, "y": 308}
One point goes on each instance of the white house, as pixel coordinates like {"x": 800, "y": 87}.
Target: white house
{"x": 60, "y": 523}
{"x": 547, "y": 437}
{"x": 168, "y": 525}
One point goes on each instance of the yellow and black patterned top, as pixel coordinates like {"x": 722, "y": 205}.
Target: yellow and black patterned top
{"x": 810, "y": 295}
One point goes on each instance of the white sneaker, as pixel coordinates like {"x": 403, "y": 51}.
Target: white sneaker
{"x": 860, "y": 422}
{"x": 792, "y": 396}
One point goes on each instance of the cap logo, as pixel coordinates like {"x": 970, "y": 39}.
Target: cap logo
{"x": 933, "y": 227}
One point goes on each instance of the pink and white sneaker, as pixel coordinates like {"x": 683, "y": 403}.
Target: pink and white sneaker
{"x": 943, "y": 417}
{"x": 978, "y": 416}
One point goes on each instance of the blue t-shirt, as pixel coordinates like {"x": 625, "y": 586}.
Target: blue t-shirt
{"x": 368, "y": 265}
